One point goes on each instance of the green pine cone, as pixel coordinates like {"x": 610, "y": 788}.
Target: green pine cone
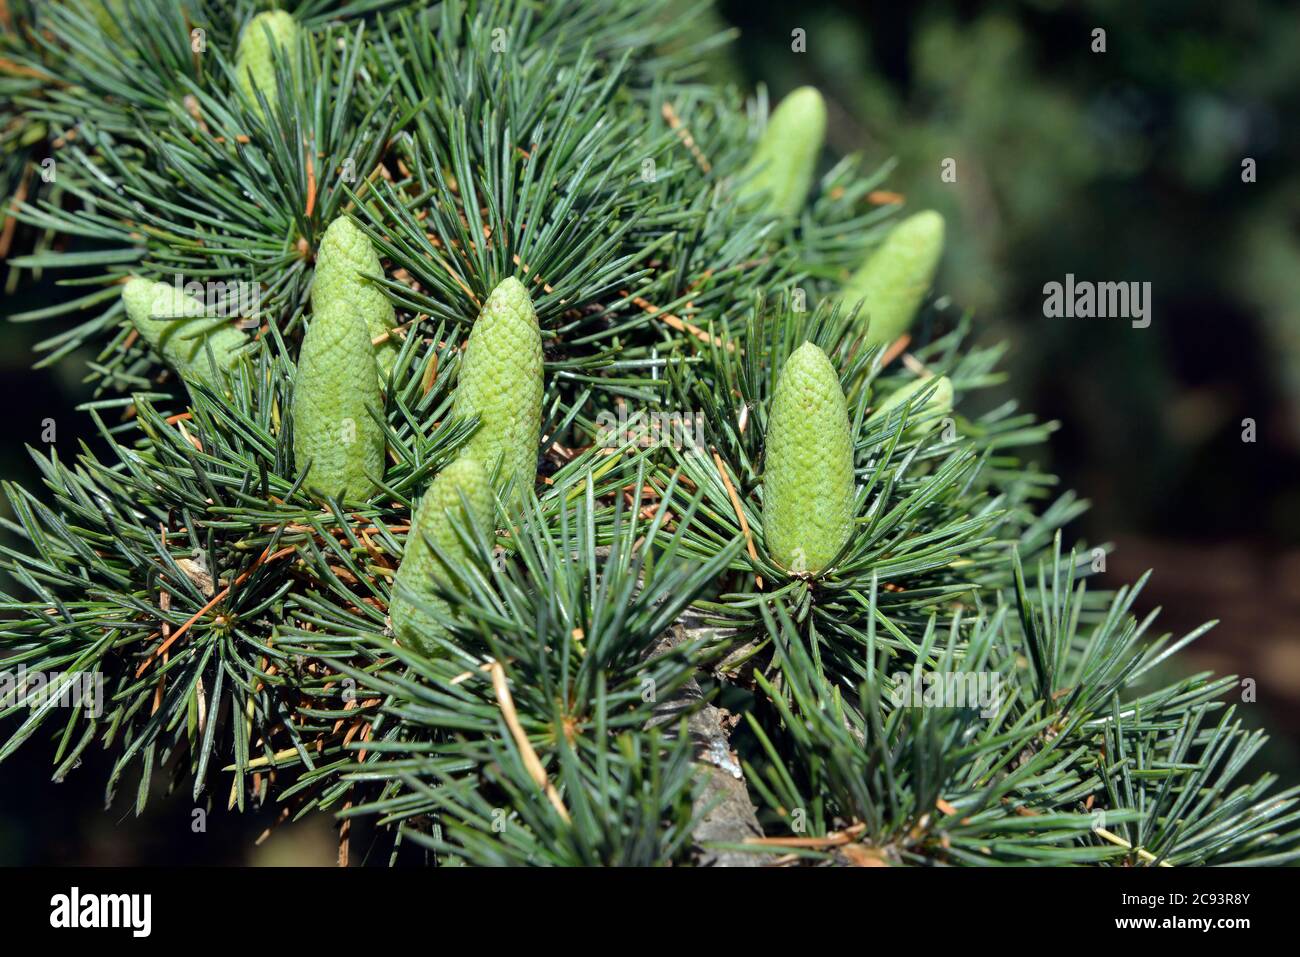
{"x": 415, "y": 608}
{"x": 893, "y": 281}
{"x": 501, "y": 382}
{"x": 785, "y": 159}
{"x": 808, "y": 472}
{"x": 255, "y": 58}
{"x": 336, "y": 387}
{"x": 938, "y": 405}
{"x": 174, "y": 325}
{"x": 345, "y": 255}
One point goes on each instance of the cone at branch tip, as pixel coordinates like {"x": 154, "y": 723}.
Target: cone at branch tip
{"x": 808, "y": 469}
{"x": 779, "y": 176}
{"x": 892, "y": 283}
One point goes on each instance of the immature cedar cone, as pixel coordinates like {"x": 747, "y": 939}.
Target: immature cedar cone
{"x": 255, "y": 58}
{"x": 786, "y": 156}
{"x": 336, "y": 387}
{"x": 344, "y": 256}
{"x": 174, "y": 325}
{"x": 895, "y": 278}
{"x": 808, "y": 472}
{"x": 500, "y": 381}
{"x": 415, "y": 608}
{"x": 929, "y": 414}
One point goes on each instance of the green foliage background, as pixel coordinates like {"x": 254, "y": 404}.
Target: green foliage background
{"x": 994, "y": 107}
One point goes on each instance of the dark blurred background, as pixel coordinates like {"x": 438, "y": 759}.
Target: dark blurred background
{"x": 1117, "y": 166}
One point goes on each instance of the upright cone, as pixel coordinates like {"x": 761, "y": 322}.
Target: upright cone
{"x": 335, "y": 398}
{"x": 892, "y": 284}
{"x": 417, "y": 612}
{"x": 500, "y": 381}
{"x": 808, "y": 471}
{"x": 175, "y": 326}
{"x": 344, "y": 257}
{"x": 255, "y": 58}
{"x": 785, "y": 159}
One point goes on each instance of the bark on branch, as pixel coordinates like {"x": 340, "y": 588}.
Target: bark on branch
{"x": 727, "y": 814}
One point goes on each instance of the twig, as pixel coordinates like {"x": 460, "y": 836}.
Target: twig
{"x": 531, "y": 761}
{"x": 681, "y": 325}
{"x": 725, "y": 812}
{"x": 684, "y": 134}
{"x": 280, "y": 819}
{"x": 164, "y": 604}
{"x": 740, "y": 514}
{"x": 1141, "y": 852}
{"x": 399, "y": 329}
{"x": 546, "y": 287}
{"x": 895, "y": 350}
{"x": 916, "y": 366}
{"x": 219, "y": 596}
{"x": 345, "y": 834}
{"x": 311, "y": 183}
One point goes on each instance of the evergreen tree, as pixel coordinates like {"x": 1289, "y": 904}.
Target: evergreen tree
{"x": 627, "y": 668}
